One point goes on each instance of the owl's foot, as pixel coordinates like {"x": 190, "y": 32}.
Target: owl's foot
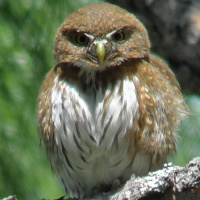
{"x": 101, "y": 188}
{"x": 116, "y": 184}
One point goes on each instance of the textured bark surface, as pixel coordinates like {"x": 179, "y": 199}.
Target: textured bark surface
{"x": 170, "y": 183}
{"x": 174, "y": 32}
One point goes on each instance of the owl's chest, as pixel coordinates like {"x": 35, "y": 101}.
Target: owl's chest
{"x": 97, "y": 116}
{"x": 90, "y": 138}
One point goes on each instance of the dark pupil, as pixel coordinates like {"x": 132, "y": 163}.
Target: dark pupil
{"x": 82, "y": 39}
{"x": 118, "y": 36}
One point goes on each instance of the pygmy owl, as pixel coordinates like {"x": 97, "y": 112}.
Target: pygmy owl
{"x": 109, "y": 108}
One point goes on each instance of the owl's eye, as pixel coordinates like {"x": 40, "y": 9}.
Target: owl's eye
{"x": 118, "y": 36}
{"x": 81, "y": 39}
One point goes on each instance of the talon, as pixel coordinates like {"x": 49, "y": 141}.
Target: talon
{"x": 116, "y": 183}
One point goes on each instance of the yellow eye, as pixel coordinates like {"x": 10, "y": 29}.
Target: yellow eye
{"x": 81, "y": 39}
{"x": 118, "y": 36}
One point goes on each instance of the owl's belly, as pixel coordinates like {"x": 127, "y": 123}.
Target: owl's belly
{"x": 91, "y": 141}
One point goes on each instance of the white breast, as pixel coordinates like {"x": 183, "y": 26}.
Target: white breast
{"x": 89, "y": 132}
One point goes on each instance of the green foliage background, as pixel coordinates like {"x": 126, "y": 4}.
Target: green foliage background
{"x": 27, "y": 30}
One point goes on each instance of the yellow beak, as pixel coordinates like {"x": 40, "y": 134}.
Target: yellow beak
{"x": 101, "y": 49}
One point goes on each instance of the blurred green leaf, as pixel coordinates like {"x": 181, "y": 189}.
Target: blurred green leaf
{"x": 189, "y": 133}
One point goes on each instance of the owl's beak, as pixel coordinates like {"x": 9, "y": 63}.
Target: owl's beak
{"x": 101, "y": 47}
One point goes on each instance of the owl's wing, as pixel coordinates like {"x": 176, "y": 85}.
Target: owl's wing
{"x": 46, "y": 126}
{"x": 44, "y": 107}
{"x": 161, "y": 108}
{"x": 164, "y": 69}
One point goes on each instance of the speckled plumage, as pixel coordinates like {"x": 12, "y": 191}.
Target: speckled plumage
{"x": 109, "y": 108}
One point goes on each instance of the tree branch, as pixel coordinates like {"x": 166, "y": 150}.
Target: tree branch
{"x": 170, "y": 183}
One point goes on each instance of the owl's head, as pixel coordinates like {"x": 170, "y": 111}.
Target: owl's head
{"x": 100, "y": 35}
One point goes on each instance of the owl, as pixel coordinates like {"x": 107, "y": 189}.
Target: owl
{"x": 108, "y": 108}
